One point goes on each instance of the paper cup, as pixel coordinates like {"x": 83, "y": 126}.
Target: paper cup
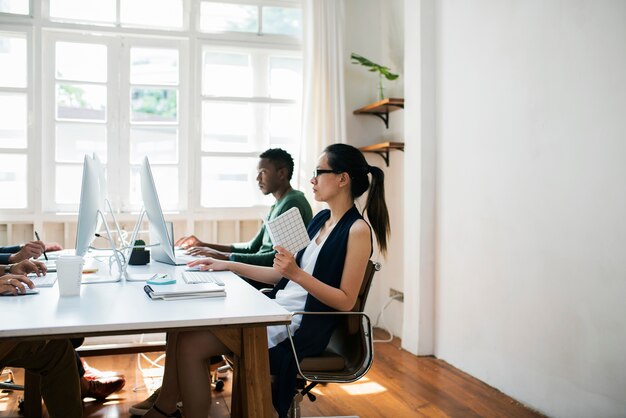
{"x": 69, "y": 274}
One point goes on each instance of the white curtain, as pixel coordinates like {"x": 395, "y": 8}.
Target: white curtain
{"x": 323, "y": 110}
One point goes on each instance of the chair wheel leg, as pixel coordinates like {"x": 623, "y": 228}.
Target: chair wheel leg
{"x": 219, "y": 385}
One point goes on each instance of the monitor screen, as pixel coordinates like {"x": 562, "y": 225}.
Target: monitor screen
{"x": 90, "y": 204}
{"x": 158, "y": 228}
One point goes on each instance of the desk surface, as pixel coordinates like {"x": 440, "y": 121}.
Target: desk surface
{"x": 124, "y": 308}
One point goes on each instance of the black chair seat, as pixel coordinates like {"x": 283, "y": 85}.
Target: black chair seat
{"x": 325, "y": 362}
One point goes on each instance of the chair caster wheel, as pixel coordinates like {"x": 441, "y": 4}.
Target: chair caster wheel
{"x": 219, "y": 385}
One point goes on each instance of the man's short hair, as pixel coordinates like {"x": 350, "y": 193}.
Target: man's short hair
{"x": 280, "y": 158}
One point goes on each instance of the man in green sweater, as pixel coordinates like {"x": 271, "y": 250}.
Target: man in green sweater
{"x": 274, "y": 169}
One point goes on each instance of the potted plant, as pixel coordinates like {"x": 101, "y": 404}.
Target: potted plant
{"x": 373, "y": 67}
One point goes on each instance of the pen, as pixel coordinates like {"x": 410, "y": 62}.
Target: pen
{"x": 44, "y": 251}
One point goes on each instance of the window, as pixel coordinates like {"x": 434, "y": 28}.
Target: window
{"x": 250, "y": 102}
{"x": 192, "y": 84}
{"x": 19, "y": 7}
{"x": 14, "y": 109}
{"x": 165, "y": 14}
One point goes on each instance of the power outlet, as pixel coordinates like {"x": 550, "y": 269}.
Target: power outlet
{"x": 399, "y": 296}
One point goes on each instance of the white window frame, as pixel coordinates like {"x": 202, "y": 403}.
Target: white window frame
{"x": 32, "y": 140}
{"x": 41, "y": 107}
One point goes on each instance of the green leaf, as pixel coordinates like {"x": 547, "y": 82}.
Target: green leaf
{"x": 373, "y": 67}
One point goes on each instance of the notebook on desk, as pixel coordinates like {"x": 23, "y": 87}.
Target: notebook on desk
{"x": 184, "y": 291}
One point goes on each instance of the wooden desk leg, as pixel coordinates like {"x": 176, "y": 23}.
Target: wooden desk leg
{"x": 252, "y": 397}
{"x": 32, "y": 395}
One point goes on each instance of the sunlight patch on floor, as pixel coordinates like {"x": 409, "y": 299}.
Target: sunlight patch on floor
{"x": 365, "y": 386}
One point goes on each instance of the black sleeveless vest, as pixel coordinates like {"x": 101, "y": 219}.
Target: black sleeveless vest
{"x": 315, "y": 330}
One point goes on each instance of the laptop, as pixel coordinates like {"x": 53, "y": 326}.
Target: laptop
{"x": 159, "y": 254}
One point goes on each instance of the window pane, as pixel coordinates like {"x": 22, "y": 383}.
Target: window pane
{"x": 82, "y": 62}
{"x": 14, "y": 6}
{"x": 81, "y": 102}
{"x": 87, "y": 10}
{"x": 229, "y": 182}
{"x": 12, "y": 61}
{"x": 227, "y": 126}
{"x": 13, "y": 169}
{"x": 13, "y": 111}
{"x": 153, "y": 66}
{"x": 68, "y": 181}
{"x": 225, "y": 17}
{"x": 166, "y": 182}
{"x": 74, "y": 140}
{"x": 282, "y": 20}
{"x": 154, "y": 105}
{"x": 285, "y": 77}
{"x": 154, "y": 13}
{"x": 160, "y": 144}
{"x": 284, "y": 124}
{"x": 226, "y": 74}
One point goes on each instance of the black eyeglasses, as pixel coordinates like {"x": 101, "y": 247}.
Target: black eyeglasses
{"x": 318, "y": 171}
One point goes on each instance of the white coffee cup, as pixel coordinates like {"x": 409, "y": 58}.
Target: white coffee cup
{"x": 69, "y": 274}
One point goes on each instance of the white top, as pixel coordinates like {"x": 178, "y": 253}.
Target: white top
{"x": 293, "y": 296}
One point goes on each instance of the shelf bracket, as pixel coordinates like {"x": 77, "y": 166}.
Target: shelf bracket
{"x": 385, "y": 118}
{"x": 384, "y": 154}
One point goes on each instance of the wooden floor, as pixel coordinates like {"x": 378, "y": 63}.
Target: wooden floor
{"x": 398, "y": 385}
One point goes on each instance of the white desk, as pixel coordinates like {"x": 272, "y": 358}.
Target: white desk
{"x": 239, "y": 320}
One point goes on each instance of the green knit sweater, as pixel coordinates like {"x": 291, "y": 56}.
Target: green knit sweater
{"x": 259, "y": 250}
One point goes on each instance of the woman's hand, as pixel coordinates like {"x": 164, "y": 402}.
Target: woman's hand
{"x": 13, "y": 284}
{"x": 29, "y": 266}
{"x": 209, "y": 264}
{"x": 285, "y": 263}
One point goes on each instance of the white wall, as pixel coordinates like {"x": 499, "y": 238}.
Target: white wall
{"x": 375, "y": 29}
{"x": 531, "y": 209}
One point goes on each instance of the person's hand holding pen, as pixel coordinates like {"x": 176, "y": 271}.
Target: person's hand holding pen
{"x": 32, "y": 249}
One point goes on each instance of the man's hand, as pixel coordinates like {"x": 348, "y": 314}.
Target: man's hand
{"x": 32, "y": 249}
{"x": 12, "y": 284}
{"x": 208, "y": 252}
{"x": 190, "y": 241}
{"x": 27, "y": 266}
{"x": 53, "y": 246}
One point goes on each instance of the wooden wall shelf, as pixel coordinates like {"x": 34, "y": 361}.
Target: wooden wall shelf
{"x": 383, "y": 149}
{"x": 381, "y": 109}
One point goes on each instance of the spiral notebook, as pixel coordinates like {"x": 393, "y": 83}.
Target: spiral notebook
{"x": 184, "y": 291}
{"x": 288, "y": 231}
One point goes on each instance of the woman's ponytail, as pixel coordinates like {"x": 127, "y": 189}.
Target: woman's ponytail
{"x": 376, "y": 208}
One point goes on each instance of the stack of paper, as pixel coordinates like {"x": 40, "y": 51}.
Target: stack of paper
{"x": 184, "y": 291}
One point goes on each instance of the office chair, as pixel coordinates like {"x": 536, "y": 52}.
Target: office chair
{"x": 9, "y": 383}
{"x": 349, "y": 353}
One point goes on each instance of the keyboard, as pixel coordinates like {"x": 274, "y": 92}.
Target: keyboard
{"x": 43, "y": 281}
{"x": 202, "y": 277}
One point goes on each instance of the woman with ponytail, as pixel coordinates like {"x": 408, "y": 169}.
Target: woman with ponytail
{"x": 324, "y": 277}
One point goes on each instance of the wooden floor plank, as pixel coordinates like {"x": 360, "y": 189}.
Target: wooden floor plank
{"x": 399, "y": 385}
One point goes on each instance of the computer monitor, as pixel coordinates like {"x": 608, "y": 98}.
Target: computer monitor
{"x": 90, "y": 206}
{"x": 164, "y": 252}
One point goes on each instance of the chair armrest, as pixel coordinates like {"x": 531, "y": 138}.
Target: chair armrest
{"x": 368, "y": 341}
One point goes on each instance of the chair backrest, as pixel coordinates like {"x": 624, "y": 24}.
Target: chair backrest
{"x": 349, "y": 353}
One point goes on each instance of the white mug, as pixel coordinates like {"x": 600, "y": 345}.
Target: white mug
{"x": 69, "y": 274}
